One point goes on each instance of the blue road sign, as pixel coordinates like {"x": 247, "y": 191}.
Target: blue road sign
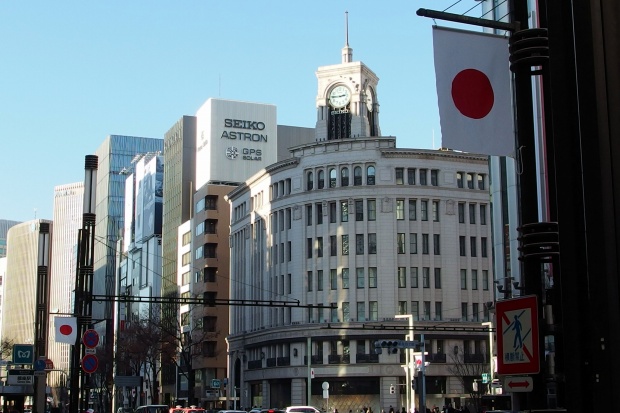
{"x": 90, "y": 362}
{"x": 39, "y": 365}
{"x": 23, "y": 354}
{"x": 90, "y": 338}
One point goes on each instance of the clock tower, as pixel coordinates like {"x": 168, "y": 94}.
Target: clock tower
{"x": 346, "y": 103}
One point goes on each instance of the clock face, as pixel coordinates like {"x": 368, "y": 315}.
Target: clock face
{"x": 339, "y": 96}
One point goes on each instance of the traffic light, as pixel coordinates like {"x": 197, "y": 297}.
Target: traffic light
{"x": 391, "y": 345}
{"x": 392, "y": 389}
{"x": 378, "y": 347}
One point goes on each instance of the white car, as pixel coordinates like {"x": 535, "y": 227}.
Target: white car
{"x": 302, "y": 409}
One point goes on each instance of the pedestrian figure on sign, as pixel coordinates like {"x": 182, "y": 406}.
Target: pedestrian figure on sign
{"x": 517, "y": 329}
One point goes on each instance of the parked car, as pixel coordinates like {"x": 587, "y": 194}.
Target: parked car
{"x": 302, "y": 409}
{"x": 153, "y": 408}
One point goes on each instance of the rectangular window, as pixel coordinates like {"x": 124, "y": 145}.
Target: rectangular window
{"x": 309, "y": 280}
{"x": 333, "y": 246}
{"x": 415, "y": 310}
{"x": 333, "y": 317}
{"x": 372, "y": 243}
{"x": 332, "y": 212}
{"x": 412, "y": 210}
{"x": 400, "y": 209}
{"x": 345, "y": 278}
{"x": 485, "y": 280}
{"x": 424, "y": 210}
{"x": 459, "y": 179}
{"x": 400, "y": 243}
{"x": 186, "y": 258}
{"x": 371, "y": 205}
{"x": 434, "y": 177}
{"x": 289, "y": 219}
{"x": 480, "y": 181}
{"x": 464, "y": 311}
{"x": 399, "y": 176}
{"x": 472, "y": 247}
{"x": 309, "y": 248}
{"x": 359, "y": 210}
{"x": 186, "y": 239}
{"x": 427, "y": 310}
{"x": 289, "y": 251}
{"x": 411, "y": 176}
{"x": 435, "y": 211}
{"x": 211, "y": 202}
{"x": 359, "y": 244}
{"x": 483, "y": 214}
{"x": 319, "y": 213}
{"x": 475, "y": 312}
{"x": 461, "y": 212}
{"x": 333, "y": 279}
{"x": 319, "y": 246}
{"x": 463, "y": 279}
{"x": 372, "y": 277}
{"x": 438, "y": 311}
{"x": 472, "y": 213}
{"x": 373, "y": 310}
{"x": 344, "y": 211}
{"x": 402, "y": 277}
{"x": 483, "y": 247}
{"x": 319, "y": 280}
{"x": 425, "y": 244}
{"x": 474, "y": 279}
{"x": 200, "y": 205}
{"x": 426, "y": 277}
{"x": 462, "y": 251}
{"x": 346, "y": 312}
{"x": 360, "y": 277}
{"x": 210, "y": 250}
{"x": 436, "y": 245}
{"x": 413, "y": 243}
{"x": 470, "y": 181}
{"x": 423, "y": 177}
{"x": 345, "y": 245}
{"x": 414, "y": 277}
{"x": 308, "y": 215}
{"x": 361, "y": 311}
{"x": 437, "y": 277}
{"x": 402, "y": 307}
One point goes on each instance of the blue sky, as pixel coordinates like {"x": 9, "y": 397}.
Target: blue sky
{"x": 73, "y": 72}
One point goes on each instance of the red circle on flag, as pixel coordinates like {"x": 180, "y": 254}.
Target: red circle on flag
{"x": 65, "y": 329}
{"x": 472, "y": 93}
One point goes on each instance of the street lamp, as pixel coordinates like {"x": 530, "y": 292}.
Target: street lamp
{"x": 408, "y": 362}
{"x": 489, "y": 325}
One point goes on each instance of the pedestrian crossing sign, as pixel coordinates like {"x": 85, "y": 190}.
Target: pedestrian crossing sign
{"x": 517, "y": 336}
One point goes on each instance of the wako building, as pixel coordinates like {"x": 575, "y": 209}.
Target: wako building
{"x": 358, "y": 232}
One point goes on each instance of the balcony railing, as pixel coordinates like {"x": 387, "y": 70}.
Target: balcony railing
{"x": 366, "y": 358}
{"x": 271, "y": 362}
{"x": 314, "y": 359}
{"x": 436, "y": 358}
{"x": 255, "y": 364}
{"x": 283, "y": 361}
{"x": 338, "y": 359}
{"x": 475, "y": 358}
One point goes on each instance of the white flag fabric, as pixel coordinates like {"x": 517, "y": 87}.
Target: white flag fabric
{"x": 66, "y": 329}
{"x": 473, "y": 91}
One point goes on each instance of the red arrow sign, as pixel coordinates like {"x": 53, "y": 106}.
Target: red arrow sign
{"x": 518, "y": 384}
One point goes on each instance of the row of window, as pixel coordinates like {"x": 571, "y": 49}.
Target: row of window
{"x": 209, "y": 202}
{"x": 370, "y": 278}
{"x": 369, "y": 311}
{"x": 340, "y": 177}
{"x": 315, "y": 246}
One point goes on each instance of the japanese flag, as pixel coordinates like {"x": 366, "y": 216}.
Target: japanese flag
{"x": 473, "y": 91}
{"x": 66, "y": 329}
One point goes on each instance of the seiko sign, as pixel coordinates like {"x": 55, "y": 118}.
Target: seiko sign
{"x": 246, "y": 125}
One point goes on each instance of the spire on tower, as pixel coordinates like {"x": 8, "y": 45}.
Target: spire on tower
{"x": 347, "y": 52}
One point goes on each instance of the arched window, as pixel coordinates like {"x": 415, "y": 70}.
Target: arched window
{"x": 332, "y": 178}
{"x": 357, "y": 175}
{"x": 370, "y": 175}
{"x": 321, "y": 179}
{"x": 344, "y": 177}
{"x": 309, "y": 181}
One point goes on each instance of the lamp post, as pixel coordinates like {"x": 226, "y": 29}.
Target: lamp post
{"x": 489, "y": 325}
{"x": 408, "y": 362}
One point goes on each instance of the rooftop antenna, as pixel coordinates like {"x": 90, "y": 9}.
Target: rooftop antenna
{"x": 347, "y": 52}
{"x": 35, "y": 213}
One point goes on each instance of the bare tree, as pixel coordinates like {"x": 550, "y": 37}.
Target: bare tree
{"x": 6, "y": 349}
{"x": 468, "y": 369}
